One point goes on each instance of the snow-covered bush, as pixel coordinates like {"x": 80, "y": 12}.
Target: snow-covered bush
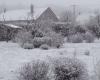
{"x": 69, "y": 69}
{"x": 37, "y": 70}
{"x": 44, "y": 47}
{"x": 27, "y": 46}
{"x": 79, "y": 29}
{"x": 77, "y": 38}
{"x": 57, "y": 69}
{"x": 95, "y": 29}
{"x": 56, "y": 40}
{"x": 89, "y": 38}
{"x": 64, "y": 30}
{"x": 37, "y": 42}
{"x": 39, "y": 36}
{"x": 23, "y": 37}
{"x": 37, "y": 33}
{"x": 46, "y": 40}
{"x": 51, "y": 39}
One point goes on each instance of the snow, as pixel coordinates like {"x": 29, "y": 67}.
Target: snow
{"x": 11, "y": 25}
{"x": 21, "y": 14}
{"x": 12, "y": 56}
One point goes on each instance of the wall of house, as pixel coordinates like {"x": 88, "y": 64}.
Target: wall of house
{"x": 7, "y": 33}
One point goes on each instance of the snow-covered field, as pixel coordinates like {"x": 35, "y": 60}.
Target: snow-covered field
{"x": 12, "y": 56}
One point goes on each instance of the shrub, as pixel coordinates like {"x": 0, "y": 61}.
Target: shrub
{"x": 56, "y": 40}
{"x": 61, "y": 69}
{"x": 38, "y": 70}
{"x": 51, "y": 39}
{"x": 95, "y": 29}
{"x": 27, "y": 46}
{"x": 64, "y": 30}
{"x": 37, "y": 42}
{"x": 37, "y": 33}
{"x": 77, "y": 38}
{"x": 89, "y": 38}
{"x": 69, "y": 69}
{"x": 23, "y": 36}
{"x": 44, "y": 46}
{"x": 46, "y": 40}
{"x": 79, "y": 29}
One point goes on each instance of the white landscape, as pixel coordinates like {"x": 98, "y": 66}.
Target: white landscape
{"x": 12, "y": 56}
{"x": 49, "y": 40}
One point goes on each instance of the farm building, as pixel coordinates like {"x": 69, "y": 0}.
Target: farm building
{"x": 22, "y": 16}
{"x": 8, "y": 31}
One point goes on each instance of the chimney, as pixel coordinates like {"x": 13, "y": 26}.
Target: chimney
{"x": 32, "y": 11}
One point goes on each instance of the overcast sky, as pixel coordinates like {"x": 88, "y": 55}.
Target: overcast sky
{"x": 63, "y": 3}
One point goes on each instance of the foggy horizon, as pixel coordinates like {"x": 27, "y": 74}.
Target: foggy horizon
{"x": 91, "y": 4}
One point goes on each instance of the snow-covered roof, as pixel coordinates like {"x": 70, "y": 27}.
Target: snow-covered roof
{"x": 11, "y": 25}
{"x": 22, "y": 14}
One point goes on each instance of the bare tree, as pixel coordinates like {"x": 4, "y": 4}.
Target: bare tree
{"x": 7, "y": 31}
{"x": 97, "y": 18}
{"x": 30, "y": 18}
{"x": 4, "y": 11}
{"x": 67, "y": 16}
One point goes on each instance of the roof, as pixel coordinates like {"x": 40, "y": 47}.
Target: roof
{"x": 22, "y": 14}
{"x": 12, "y": 26}
{"x": 48, "y": 14}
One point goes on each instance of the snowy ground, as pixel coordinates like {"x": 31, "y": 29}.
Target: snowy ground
{"x": 12, "y": 56}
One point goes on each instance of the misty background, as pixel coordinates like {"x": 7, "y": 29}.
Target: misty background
{"x": 87, "y": 5}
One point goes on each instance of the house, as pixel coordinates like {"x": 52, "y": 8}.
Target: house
{"x": 22, "y": 16}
